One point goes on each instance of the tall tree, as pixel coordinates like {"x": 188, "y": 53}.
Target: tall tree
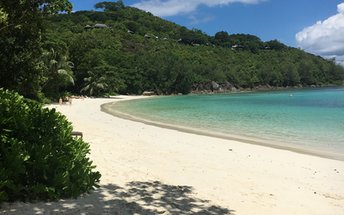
{"x": 110, "y": 6}
{"x": 222, "y": 38}
{"x": 58, "y": 72}
{"x": 95, "y": 84}
{"x": 20, "y": 43}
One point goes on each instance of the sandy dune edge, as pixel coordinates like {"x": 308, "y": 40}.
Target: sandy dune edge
{"x": 152, "y": 170}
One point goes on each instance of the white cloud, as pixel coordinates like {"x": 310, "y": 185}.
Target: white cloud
{"x": 326, "y": 37}
{"x": 340, "y": 8}
{"x": 194, "y": 20}
{"x": 176, "y": 7}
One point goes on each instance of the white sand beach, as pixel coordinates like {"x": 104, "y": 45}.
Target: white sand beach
{"x": 152, "y": 170}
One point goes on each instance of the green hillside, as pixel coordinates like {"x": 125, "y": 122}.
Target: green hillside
{"x": 126, "y": 50}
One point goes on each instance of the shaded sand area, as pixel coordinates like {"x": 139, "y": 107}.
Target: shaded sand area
{"x": 152, "y": 170}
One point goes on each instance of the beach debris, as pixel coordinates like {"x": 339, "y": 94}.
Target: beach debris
{"x": 77, "y": 134}
{"x": 230, "y": 150}
{"x": 315, "y": 192}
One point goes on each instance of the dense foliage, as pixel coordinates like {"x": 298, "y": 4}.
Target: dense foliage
{"x": 39, "y": 158}
{"x": 133, "y": 51}
{"x": 125, "y": 50}
{"x": 20, "y": 43}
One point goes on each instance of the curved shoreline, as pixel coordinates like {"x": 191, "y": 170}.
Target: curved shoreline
{"x": 302, "y": 150}
{"x": 159, "y": 163}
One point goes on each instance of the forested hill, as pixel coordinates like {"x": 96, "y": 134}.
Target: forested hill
{"x": 126, "y": 50}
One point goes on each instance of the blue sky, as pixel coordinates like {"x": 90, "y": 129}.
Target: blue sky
{"x": 298, "y": 23}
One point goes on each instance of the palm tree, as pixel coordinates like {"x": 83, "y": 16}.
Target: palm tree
{"x": 59, "y": 73}
{"x": 95, "y": 84}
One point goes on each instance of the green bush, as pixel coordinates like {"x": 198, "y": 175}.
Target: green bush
{"x": 39, "y": 159}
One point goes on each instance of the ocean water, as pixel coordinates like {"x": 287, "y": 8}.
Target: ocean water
{"x": 309, "y": 118}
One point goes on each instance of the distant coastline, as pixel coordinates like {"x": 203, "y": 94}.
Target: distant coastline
{"x": 226, "y": 87}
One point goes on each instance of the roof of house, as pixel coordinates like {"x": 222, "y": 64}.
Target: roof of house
{"x": 100, "y": 26}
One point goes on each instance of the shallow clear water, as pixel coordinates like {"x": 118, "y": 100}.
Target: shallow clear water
{"x": 312, "y": 118}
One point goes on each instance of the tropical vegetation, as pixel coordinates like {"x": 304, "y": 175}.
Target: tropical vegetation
{"x": 121, "y": 49}
{"x": 39, "y": 157}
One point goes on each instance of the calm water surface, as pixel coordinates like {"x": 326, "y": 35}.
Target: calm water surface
{"x": 308, "y": 118}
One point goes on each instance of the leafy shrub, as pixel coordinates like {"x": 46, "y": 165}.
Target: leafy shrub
{"x": 39, "y": 159}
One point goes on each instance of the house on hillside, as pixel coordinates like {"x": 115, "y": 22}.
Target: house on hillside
{"x": 88, "y": 27}
{"x": 100, "y": 25}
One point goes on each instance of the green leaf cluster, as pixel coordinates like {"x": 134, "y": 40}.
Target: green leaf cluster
{"x": 39, "y": 158}
{"x": 21, "y": 45}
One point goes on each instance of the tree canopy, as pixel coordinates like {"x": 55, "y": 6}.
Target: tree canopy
{"x": 20, "y": 32}
{"x": 138, "y": 52}
{"x": 39, "y": 157}
{"x": 110, "y": 6}
{"x": 122, "y": 49}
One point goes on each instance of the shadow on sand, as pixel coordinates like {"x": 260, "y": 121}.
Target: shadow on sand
{"x": 135, "y": 198}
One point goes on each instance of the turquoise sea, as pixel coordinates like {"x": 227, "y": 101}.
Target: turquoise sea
{"x": 308, "y": 119}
